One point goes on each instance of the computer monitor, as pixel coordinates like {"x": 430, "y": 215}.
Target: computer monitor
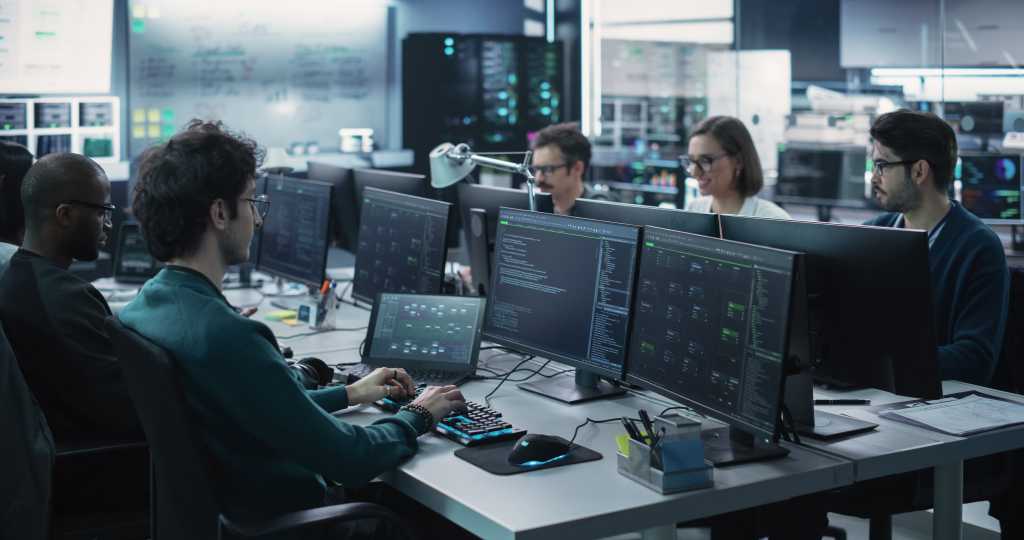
{"x": 636, "y": 214}
{"x": 295, "y": 236}
{"x": 710, "y": 330}
{"x": 562, "y": 290}
{"x": 402, "y": 242}
{"x": 480, "y": 230}
{"x": 990, "y": 187}
{"x": 345, "y": 225}
{"x": 408, "y": 183}
{"x": 869, "y": 300}
{"x": 820, "y": 176}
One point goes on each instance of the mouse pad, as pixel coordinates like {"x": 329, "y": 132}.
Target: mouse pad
{"x": 493, "y": 458}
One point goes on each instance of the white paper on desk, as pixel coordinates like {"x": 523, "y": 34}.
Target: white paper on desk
{"x": 964, "y": 416}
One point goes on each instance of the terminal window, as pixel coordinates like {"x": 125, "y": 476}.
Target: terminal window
{"x": 710, "y": 323}
{"x": 563, "y": 286}
{"x": 295, "y": 234}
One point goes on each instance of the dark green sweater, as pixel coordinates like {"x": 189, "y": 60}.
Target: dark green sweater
{"x": 271, "y": 443}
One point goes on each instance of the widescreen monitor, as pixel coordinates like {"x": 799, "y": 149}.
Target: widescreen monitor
{"x": 402, "y": 241}
{"x": 562, "y": 290}
{"x": 295, "y": 236}
{"x": 710, "y": 329}
{"x": 638, "y": 214}
{"x": 869, "y": 300}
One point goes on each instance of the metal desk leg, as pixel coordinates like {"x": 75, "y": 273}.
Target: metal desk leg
{"x": 949, "y": 498}
{"x": 665, "y": 532}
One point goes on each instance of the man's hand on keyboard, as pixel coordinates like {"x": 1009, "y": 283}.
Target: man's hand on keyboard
{"x": 441, "y": 400}
{"x": 394, "y": 383}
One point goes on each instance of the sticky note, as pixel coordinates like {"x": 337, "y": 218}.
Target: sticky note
{"x": 138, "y": 132}
{"x": 138, "y": 26}
{"x": 167, "y": 130}
{"x": 167, "y": 116}
{"x": 153, "y": 131}
{"x": 138, "y": 116}
{"x": 622, "y": 442}
{"x": 154, "y": 12}
{"x": 281, "y": 314}
{"x": 153, "y": 115}
{"x": 139, "y": 11}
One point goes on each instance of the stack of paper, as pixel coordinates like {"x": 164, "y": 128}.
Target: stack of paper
{"x": 971, "y": 413}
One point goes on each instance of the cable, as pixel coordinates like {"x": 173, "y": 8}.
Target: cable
{"x": 592, "y": 421}
{"x": 682, "y": 408}
{"x": 327, "y": 331}
{"x": 498, "y": 347}
{"x": 487, "y": 398}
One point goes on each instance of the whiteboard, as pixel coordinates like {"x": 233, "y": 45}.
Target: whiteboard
{"x": 55, "y": 46}
{"x": 281, "y": 72}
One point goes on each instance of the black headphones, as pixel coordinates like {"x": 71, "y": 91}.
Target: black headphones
{"x": 313, "y": 372}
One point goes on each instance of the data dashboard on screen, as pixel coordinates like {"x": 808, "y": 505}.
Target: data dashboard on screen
{"x": 55, "y": 46}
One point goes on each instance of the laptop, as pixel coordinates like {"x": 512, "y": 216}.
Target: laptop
{"x": 435, "y": 338}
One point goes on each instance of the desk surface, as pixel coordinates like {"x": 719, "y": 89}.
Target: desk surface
{"x": 584, "y": 500}
{"x": 896, "y": 447}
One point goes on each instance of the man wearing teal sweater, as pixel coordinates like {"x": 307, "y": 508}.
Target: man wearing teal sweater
{"x": 274, "y": 447}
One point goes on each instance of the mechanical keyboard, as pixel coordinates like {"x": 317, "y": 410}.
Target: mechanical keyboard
{"x": 476, "y": 425}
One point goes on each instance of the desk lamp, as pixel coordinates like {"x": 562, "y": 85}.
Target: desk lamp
{"x": 450, "y": 163}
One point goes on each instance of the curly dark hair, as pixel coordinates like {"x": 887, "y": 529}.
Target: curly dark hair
{"x": 569, "y": 140}
{"x": 915, "y": 135}
{"x": 180, "y": 179}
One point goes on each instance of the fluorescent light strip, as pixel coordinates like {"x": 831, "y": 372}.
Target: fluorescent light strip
{"x": 947, "y": 72}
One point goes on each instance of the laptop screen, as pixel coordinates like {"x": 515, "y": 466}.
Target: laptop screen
{"x": 425, "y": 331}
{"x": 133, "y": 263}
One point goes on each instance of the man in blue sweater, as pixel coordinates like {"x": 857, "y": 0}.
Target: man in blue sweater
{"x": 914, "y": 156}
{"x": 274, "y": 446}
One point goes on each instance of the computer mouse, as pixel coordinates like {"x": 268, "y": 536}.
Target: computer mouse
{"x": 534, "y": 449}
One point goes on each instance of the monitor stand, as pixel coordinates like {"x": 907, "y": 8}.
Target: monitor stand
{"x": 738, "y": 447}
{"x": 799, "y": 398}
{"x": 585, "y": 386}
{"x": 285, "y": 295}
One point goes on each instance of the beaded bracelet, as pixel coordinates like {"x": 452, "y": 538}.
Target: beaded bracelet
{"x": 423, "y": 412}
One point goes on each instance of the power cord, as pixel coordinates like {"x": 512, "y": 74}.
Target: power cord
{"x": 487, "y": 398}
{"x": 327, "y": 331}
{"x": 592, "y": 421}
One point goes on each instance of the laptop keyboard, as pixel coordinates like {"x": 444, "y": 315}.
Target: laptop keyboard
{"x": 477, "y": 425}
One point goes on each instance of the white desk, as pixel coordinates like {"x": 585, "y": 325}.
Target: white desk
{"x": 896, "y": 448}
{"x": 576, "y": 501}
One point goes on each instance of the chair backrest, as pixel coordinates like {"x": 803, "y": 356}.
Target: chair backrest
{"x": 1009, "y": 374}
{"x": 26, "y": 456}
{"x": 184, "y": 504}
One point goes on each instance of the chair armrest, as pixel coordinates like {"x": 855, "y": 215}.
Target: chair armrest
{"x": 86, "y": 448}
{"x": 314, "y": 516}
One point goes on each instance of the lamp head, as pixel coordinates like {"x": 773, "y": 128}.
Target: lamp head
{"x": 449, "y": 164}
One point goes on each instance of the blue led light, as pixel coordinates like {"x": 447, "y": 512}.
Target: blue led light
{"x": 503, "y": 95}
{"x": 545, "y": 111}
{"x": 545, "y": 462}
{"x": 512, "y": 78}
{"x": 545, "y": 94}
{"x": 502, "y": 111}
{"x": 545, "y": 85}
{"x": 448, "y": 42}
{"x": 448, "y": 51}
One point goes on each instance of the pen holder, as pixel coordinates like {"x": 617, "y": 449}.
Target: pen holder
{"x": 683, "y": 467}
{"x": 319, "y": 315}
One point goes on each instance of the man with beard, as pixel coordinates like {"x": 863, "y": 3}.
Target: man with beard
{"x": 561, "y": 155}
{"x": 914, "y": 156}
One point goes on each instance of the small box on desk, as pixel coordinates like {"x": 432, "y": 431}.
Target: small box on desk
{"x": 677, "y": 462}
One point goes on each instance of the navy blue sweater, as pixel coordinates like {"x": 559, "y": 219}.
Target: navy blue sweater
{"x": 970, "y": 287}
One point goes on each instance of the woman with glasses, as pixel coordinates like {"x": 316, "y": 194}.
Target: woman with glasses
{"x": 722, "y": 158}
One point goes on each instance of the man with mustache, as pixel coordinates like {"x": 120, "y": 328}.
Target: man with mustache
{"x": 914, "y": 156}
{"x": 561, "y": 154}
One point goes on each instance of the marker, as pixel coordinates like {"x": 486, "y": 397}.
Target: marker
{"x": 842, "y": 402}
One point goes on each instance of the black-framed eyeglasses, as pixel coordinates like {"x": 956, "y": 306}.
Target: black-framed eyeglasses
{"x": 260, "y": 205}
{"x": 107, "y": 208}
{"x": 547, "y": 169}
{"x": 879, "y": 165}
{"x": 704, "y": 162}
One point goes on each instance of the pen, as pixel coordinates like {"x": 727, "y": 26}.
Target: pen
{"x": 631, "y": 429}
{"x": 648, "y": 426}
{"x": 842, "y": 402}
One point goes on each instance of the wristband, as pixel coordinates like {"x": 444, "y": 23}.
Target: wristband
{"x": 423, "y": 412}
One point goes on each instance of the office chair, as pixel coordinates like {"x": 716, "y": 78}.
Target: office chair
{"x": 995, "y": 478}
{"x": 26, "y": 459}
{"x": 183, "y": 504}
